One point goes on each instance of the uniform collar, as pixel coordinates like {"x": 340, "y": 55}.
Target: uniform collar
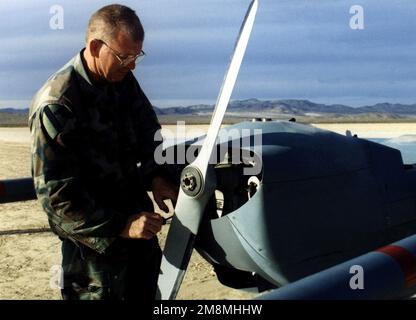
{"x": 80, "y": 69}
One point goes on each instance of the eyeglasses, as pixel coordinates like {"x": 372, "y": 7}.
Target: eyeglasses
{"x": 124, "y": 61}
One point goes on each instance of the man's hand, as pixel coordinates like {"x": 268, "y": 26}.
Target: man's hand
{"x": 144, "y": 225}
{"x": 163, "y": 190}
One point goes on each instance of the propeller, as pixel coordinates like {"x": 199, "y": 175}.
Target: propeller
{"x": 198, "y": 180}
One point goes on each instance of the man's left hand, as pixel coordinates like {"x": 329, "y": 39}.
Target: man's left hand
{"x": 164, "y": 190}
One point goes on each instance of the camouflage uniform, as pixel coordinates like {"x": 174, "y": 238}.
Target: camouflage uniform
{"x": 86, "y": 143}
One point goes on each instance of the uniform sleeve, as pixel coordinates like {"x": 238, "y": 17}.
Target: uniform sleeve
{"x": 149, "y": 128}
{"x": 72, "y": 211}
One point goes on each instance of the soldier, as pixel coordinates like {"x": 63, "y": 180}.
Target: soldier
{"x": 92, "y": 161}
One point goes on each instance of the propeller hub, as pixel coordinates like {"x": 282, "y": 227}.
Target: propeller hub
{"x": 191, "y": 181}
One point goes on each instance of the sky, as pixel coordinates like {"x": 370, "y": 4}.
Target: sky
{"x": 299, "y": 49}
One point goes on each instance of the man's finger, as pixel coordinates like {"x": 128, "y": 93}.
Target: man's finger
{"x": 162, "y": 205}
{"x": 153, "y": 229}
{"x": 155, "y": 219}
{"x": 148, "y": 234}
{"x": 153, "y": 215}
{"x": 155, "y": 226}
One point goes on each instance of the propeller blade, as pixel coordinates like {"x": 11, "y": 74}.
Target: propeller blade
{"x": 227, "y": 86}
{"x": 198, "y": 180}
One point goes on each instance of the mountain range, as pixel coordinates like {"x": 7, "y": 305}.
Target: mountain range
{"x": 293, "y": 107}
{"x": 251, "y": 108}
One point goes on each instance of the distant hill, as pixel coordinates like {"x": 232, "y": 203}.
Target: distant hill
{"x": 303, "y": 110}
{"x": 14, "y": 111}
{"x": 293, "y": 107}
{"x": 13, "y": 117}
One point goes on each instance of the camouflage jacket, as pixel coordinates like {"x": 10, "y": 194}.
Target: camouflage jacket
{"x": 87, "y": 142}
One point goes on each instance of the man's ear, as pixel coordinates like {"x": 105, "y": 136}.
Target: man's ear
{"x": 94, "y": 47}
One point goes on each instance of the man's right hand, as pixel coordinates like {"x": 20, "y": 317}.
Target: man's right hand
{"x": 144, "y": 225}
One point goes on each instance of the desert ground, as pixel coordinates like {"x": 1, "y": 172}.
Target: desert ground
{"x": 26, "y": 260}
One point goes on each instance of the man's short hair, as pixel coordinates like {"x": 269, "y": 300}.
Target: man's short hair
{"x": 107, "y": 21}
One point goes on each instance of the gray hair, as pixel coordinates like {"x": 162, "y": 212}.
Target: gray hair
{"x": 107, "y": 21}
